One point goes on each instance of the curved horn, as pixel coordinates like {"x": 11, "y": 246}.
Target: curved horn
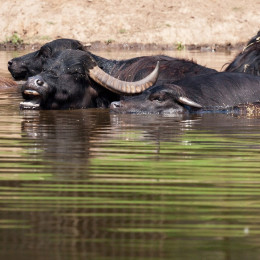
{"x": 123, "y": 87}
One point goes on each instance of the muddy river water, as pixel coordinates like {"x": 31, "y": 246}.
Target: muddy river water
{"x": 87, "y": 184}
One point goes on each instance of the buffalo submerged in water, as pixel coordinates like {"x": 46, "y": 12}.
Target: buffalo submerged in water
{"x": 31, "y": 64}
{"x": 79, "y": 79}
{"x": 236, "y": 88}
{"x": 72, "y": 79}
{"x": 66, "y": 81}
{"x": 217, "y": 92}
{"x": 89, "y": 91}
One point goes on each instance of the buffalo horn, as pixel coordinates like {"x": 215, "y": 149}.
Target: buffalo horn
{"x": 123, "y": 87}
{"x": 188, "y": 102}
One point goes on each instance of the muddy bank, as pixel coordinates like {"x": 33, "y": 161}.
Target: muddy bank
{"x": 101, "y": 46}
{"x": 129, "y": 24}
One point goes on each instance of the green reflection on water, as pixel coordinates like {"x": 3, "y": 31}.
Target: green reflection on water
{"x": 12, "y": 224}
{"x": 197, "y": 191}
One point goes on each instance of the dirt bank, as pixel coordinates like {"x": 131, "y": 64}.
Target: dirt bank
{"x": 131, "y": 23}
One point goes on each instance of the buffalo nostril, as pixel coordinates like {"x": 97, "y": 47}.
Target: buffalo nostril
{"x": 115, "y": 104}
{"x": 39, "y": 82}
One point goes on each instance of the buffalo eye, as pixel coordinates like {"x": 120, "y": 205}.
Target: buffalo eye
{"x": 77, "y": 73}
{"x": 53, "y": 73}
{"x": 160, "y": 97}
{"x": 64, "y": 92}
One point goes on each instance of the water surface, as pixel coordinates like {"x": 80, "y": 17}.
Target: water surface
{"x": 87, "y": 184}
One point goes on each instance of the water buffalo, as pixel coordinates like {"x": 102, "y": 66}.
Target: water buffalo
{"x": 72, "y": 79}
{"x": 248, "y": 61}
{"x": 71, "y": 84}
{"x": 172, "y": 68}
{"x": 31, "y": 64}
{"x": 214, "y": 92}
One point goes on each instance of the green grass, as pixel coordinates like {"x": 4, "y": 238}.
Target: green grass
{"x": 14, "y": 39}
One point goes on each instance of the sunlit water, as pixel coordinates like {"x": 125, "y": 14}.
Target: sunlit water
{"x": 87, "y": 184}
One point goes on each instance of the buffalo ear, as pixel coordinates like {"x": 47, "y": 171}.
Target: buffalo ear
{"x": 45, "y": 51}
{"x": 88, "y": 63}
{"x": 79, "y": 46}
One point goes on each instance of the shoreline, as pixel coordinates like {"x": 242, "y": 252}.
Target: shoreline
{"x": 109, "y": 46}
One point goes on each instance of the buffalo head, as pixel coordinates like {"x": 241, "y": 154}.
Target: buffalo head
{"x": 164, "y": 99}
{"x": 31, "y": 64}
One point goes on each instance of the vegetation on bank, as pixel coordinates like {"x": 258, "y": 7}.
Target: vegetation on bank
{"x": 14, "y": 39}
{"x": 15, "y": 42}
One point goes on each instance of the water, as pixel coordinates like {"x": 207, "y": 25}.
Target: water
{"x": 87, "y": 184}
